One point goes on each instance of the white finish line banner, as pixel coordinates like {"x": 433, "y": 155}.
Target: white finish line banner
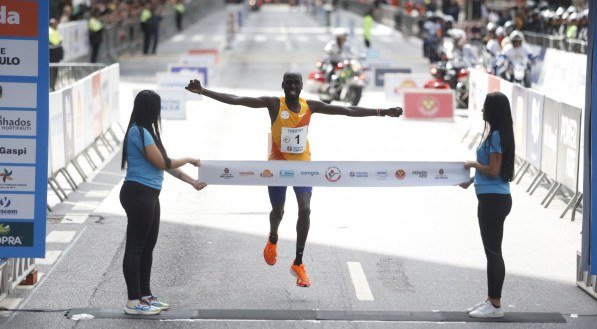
{"x": 333, "y": 173}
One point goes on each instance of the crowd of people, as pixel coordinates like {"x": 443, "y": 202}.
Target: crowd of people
{"x": 551, "y": 18}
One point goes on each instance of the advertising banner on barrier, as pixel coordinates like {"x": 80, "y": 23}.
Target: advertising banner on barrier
{"x": 79, "y": 111}
{"x": 24, "y": 121}
{"x": 428, "y": 104}
{"x": 534, "y": 128}
{"x": 551, "y": 132}
{"x": 56, "y": 132}
{"x": 178, "y": 81}
{"x": 568, "y": 146}
{"x": 381, "y": 71}
{"x": 493, "y": 84}
{"x": 333, "y": 173}
{"x": 69, "y": 125}
{"x": 75, "y": 39}
{"x": 563, "y": 76}
{"x": 478, "y": 85}
{"x": 395, "y": 84}
{"x": 174, "y": 103}
{"x": 213, "y": 53}
{"x": 199, "y": 71}
{"x": 519, "y": 115}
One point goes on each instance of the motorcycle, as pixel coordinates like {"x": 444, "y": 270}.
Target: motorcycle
{"x": 346, "y": 82}
{"x": 519, "y": 72}
{"x": 451, "y": 75}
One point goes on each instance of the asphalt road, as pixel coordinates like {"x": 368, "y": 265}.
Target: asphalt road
{"x": 419, "y": 248}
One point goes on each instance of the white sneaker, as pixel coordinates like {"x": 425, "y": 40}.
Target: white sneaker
{"x": 487, "y": 310}
{"x": 140, "y": 307}
{"x": 479, "y": 304}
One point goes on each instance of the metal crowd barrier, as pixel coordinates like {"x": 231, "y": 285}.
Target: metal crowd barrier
{"x": 68, "y": 73}
{"x": 547, "y": 136}
{"x": 12, "y": 272}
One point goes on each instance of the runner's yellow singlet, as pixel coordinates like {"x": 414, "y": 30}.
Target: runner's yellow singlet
{"x": 289, "y": 133}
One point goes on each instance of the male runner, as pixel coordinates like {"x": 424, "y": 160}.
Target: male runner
{"x": 290, "y": 117}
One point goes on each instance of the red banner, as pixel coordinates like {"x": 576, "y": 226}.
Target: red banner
{"x": 429, "y": 104}
{"x": 18, "y": 19}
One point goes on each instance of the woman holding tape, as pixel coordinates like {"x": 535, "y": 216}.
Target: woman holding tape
{"x": 494, "y": 169}
{"x": 145, "y": 159}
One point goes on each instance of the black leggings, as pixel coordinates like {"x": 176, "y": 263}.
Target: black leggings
{"x": 142, "y": 208}
{"x": 492, "y": 212}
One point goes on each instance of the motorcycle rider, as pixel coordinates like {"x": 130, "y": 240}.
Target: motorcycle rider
{"x": 518, "y": 53}
{"x": 492, "y": 47}
{"x": 337, "y": 50}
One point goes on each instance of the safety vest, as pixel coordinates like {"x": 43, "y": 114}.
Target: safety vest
{"x": 55, "y": 37}
{"x": 179, "y": 8}
{"x": 145, "y": 15}
{"x": 95, "y": 24}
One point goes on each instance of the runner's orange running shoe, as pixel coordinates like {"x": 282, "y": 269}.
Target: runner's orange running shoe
{"x": 270, "y": 253}
{"x": 302, "y": 280}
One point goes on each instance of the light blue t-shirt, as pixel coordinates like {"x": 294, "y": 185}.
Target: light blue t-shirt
{"x": 485, "y": 184}
{"x": 139, "y": 169}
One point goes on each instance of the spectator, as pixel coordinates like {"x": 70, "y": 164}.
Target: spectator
{"x": 56, "y": 50}
{"x": 454, "y": 10}
{"x": 572, "y": 26}
{"x": 96, "y": 32}
{"x": 367, "y": 27}
{"x": 179, "y": 8}
{"x": 67, "y": 11}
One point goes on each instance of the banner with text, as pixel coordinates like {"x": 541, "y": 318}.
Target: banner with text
{"x": 333, "y": 173}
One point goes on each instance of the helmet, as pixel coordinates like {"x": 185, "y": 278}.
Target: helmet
{"x": 491, "y": 27}
{"x": 500, "y": 31}
{"x": 571, "y": 9}
{"x": 340, "y": 32}
{"x": 560, "y": 11}
{"x": 509, "y": 27}
{"x": 572, "y": 17}
{"x": 516, "y": 36}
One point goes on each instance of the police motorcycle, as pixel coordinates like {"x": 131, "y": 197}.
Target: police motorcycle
{"x": 346, "y": 82}
{"x": 457, "y": 57}
{"x": 339, "y": 76}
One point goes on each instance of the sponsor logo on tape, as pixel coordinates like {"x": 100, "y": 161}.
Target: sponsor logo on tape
{"x": 381, "y": 174}
{"x": 358, "y": 174}
{"x": 333, "y": 174}
{"x": 246, "y": 173}
{"x": 226, "y": 174}
{"x": 441, "y": 175}
{"x": 310, "y": 173}
{"x": 266, "y": 174}
{"x": 286, "y": 173}
{"x": 420, "y": 173}
{"x": 400, "y": 174}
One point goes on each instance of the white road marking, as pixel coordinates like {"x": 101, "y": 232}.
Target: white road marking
{"x": 241, "y": 37}
{"x": 86, "y": 205}
{"x": 74, "y": 219}
{"x": 323, "y": 38}
{"x": 198, "y": 37}
{"x": 217, "y": 38}
{"x": 359, "y": 281}
{"x": 97, "y": 194}
{"x": 260, "y": 38}
{"x": 51, "y": 256}
{"x": 60, "y": 236}
{"x": 178, "y": 38}
{"x": 302, "y": 38}
{"x": 9, "y": 303}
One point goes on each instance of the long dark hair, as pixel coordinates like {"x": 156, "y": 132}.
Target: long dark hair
{"x": 498, "y": 117}
{"x": 146, "y": 114}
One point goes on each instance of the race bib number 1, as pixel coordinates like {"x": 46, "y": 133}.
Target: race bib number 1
{"x": 294, "y": 140}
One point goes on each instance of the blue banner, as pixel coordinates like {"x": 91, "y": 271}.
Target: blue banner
{"x": 589, "y": 249}
{"x": 24, "y": 85}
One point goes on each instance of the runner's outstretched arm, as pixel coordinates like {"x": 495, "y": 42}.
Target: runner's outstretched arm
{"x": 352, "y": 111}
{"x": 254, "y": 102}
